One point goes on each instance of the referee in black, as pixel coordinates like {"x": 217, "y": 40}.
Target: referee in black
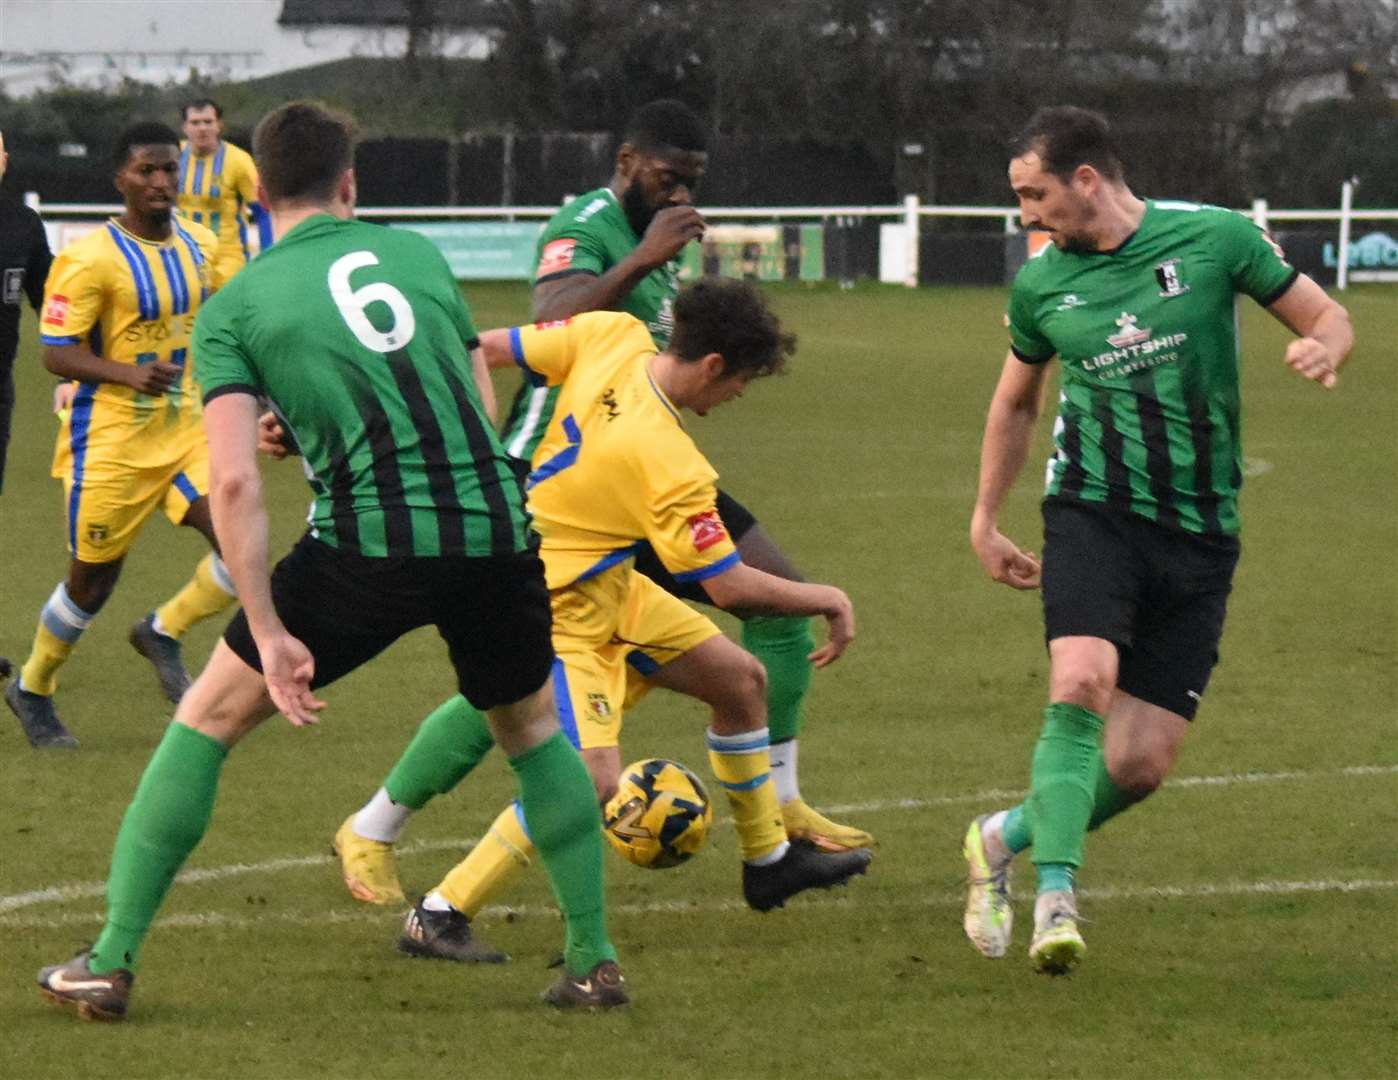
{"x": 24, "y": 264}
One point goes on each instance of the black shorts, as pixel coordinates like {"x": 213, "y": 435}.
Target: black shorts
{"x": 736, "y": 518}
{"x": 1158, "y": 594}
{"x": 492, "y": 611}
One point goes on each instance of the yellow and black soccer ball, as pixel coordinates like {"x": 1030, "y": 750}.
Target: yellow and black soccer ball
{"x": 659, "y": 815}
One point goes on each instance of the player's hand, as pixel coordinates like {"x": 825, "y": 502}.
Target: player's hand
{"x": 1003, "y": 560}
{"x": 841, "y": 620}
{"x": 288, "y": 666}
{"x": 668, "y": 233}
{"x": 271, "y": 436}
{"x": 63, "y": 398}
{"x": 1312, "y": 359}
{"x": 153, "y": 378}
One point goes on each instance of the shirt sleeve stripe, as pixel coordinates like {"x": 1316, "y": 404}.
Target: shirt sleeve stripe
{"x": 517, "y": 351}
{"x": 729, "y": 561}
{"x": 1026, "y": 358}
{"x": 229, "y": 388}
{"x": 53, "y": 339}
{"x": 563, "y": 274}
{"x": 1277, "y": 293}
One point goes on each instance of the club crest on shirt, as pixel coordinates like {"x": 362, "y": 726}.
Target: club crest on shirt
{"x": 706, "y": 530}
{"x": 13, "y": 286}
{"x": 1168, "y": 275}
{"x": 56, "y": 310}
{"x": 1070, "y": 301}
{"x": 557, "y": 255}
{"x": 1131, "y": 334}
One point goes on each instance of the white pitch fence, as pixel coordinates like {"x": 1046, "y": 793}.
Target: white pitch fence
{"x": 899, "y": 234}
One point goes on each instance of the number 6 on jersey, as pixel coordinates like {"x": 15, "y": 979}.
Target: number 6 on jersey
{"x": 352, "y": 303}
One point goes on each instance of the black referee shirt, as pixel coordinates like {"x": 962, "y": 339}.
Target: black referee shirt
{"x": 24, "y": 264}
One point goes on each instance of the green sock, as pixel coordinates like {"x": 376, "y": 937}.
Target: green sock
{"x": 1061, "y": 783}
{"x": 447, "y": 746}
{"x": 782, "y": 643}
{"x": 560, "y": 808}
{"x": 1108, "y": 799}
{"x": 1055, "y": 877}
{"x": 1015, "y": 832}
{"x": 165, "y": 821}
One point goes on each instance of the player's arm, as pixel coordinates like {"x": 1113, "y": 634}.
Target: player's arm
{"x": 75, "y": 361}
{"x": 747, "y": 589}
{"x": 565, "y": 294}
{"x": 240, "y": 520}
{"x": 480, "y": 371}
{"x": 1323, "y": 330}
{"x": 1009, "y": 429}
{"x": 36, "y": 271}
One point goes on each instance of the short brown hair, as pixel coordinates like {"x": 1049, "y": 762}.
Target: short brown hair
{"x": 715, "y": 315}
{"x": 1066, "y": 136}
{"x": 302, "y": 149}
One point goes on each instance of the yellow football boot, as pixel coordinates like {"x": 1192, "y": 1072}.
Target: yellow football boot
{"x": 803, "y": 823}
{"x": 369, "y": 867}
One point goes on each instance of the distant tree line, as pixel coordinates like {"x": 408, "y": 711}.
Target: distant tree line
{"x": 1224, "y": 100}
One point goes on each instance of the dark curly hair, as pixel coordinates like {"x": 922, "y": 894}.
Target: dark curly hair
{"x": 714, "y": 315}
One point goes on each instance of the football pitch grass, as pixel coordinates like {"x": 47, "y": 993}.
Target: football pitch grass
{"x": 1243, "y": 923}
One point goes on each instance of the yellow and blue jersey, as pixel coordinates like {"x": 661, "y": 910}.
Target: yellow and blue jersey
{"x": 219, "y": 192}
{"x": 131, "y": 301}
{"x": 615, "y": 466}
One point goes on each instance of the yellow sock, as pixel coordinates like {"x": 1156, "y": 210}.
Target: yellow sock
{"x": 743, "y": 766}
{"x": 500, "y": 857}
{"x": 61, "y": 623}
{"x": 207, "y": 593}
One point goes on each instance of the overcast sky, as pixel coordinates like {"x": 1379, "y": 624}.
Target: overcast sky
{"x": 160, "y": 40}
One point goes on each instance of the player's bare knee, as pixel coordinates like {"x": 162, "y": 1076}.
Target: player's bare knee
{"x": 748, "y": 685}
{"x": 1084, "y": 685}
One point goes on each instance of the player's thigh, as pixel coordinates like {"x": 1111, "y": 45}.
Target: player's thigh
{"x": 189, "y": 482}
{"x": 338, "y": 604}
{"x": 494, "y": 614}
{"x": 1176, "y": 648}
{"x": 227, "y": 700}
{"x": 589, "y": 687}
{"x": 107, "y": 506}
{"x": 1094, "y": 576}
{"x": 656, "y": 629}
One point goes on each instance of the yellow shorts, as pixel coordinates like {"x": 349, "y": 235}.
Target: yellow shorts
{"x": 108, "y": 503}
{"x": 607, "y": 631}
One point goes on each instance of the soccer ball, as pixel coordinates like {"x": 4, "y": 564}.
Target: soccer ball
{"x": 659, "y": 815}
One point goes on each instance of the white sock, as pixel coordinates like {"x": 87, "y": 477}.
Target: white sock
{"x": 433, "y": 901}
{"x": 382, "y": 819}
{"x": 993, "y": 833}
{"x": 783, "y": 755}
{"x": 775, "y": 855}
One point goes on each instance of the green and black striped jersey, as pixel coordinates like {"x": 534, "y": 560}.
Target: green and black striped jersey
{"x": 589, "y": 235}
{"x": 360, "y": 337}
{"x": 1147, "y": 335}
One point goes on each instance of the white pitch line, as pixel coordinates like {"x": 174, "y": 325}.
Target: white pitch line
{"x": 1224, "y": 780}
{"x": 361, "y": 914}
{"x": 89, "y": 889}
